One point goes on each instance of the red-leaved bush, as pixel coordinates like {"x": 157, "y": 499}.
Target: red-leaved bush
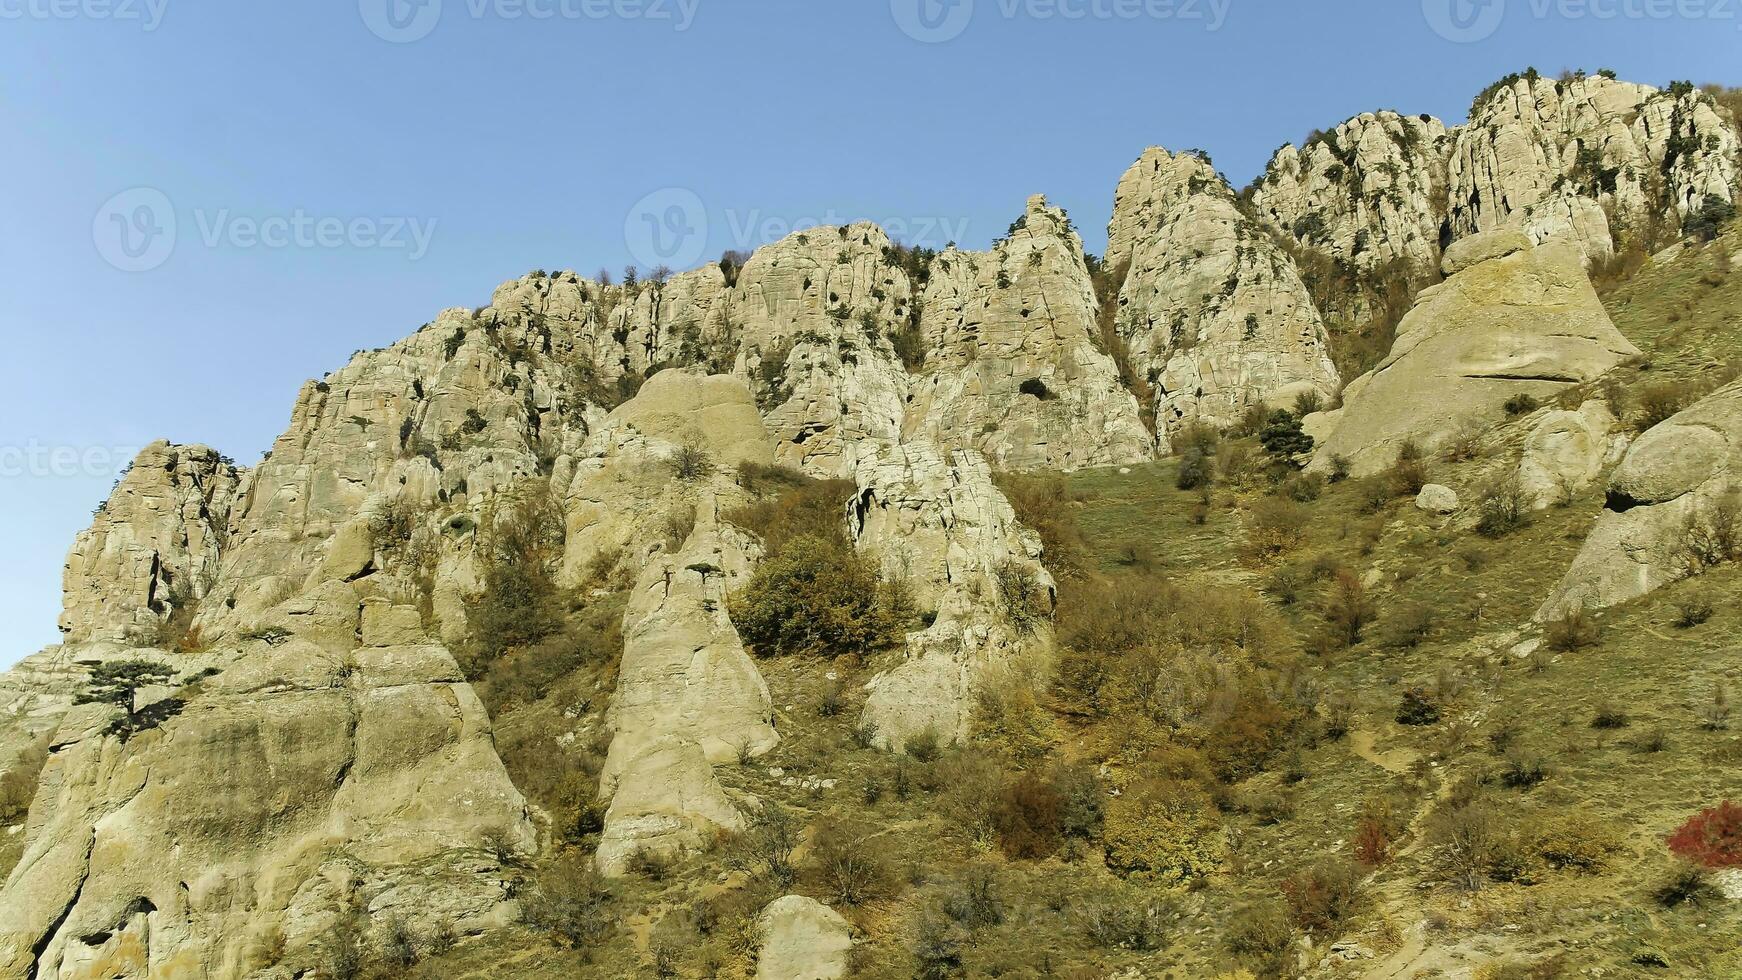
{"x": 1712, "y": 839}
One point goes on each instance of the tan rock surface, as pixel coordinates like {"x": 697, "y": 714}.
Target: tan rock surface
{"x": 1527, "y": 322}
{"x": 1674, "y": 475}
{"x": 1214, "y": 315}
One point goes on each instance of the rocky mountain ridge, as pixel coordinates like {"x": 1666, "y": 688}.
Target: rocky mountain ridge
{"x": 322, "y": 750}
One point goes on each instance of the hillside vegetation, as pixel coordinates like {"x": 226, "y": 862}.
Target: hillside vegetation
{"x": 1282, "y": 725}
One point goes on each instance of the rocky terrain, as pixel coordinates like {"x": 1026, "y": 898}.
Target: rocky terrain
{"x": 1335, "y": 579}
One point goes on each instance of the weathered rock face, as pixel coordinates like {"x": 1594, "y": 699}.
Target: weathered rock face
{"x": 1212, "y": 311}
{"x": 621, "y": 492}
{"x": 938, "y": 522}
{"x": 1665, "y": 492}
{"x": 802, "y": 939}
{"x": 432, "y": 427}
{"x": 1368, "y": 193}
{"x": 1566, "y": 452}
{"x": 296, "y": 785}
{"x": 1511, "y": 320}
{"x": 1559, "y": 159}
{"x": 154, "y": 543}
{"x": 1014, "y": 371}
{"x": 688, "y": 698}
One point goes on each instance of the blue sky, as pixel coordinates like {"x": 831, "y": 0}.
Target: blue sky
{"x": 337, "y": 172}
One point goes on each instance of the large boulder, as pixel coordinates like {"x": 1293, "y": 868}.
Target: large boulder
{"x": 1511, "y": 320}
{"x": 1566, "y": 452}
{"x": 802, "y": 939}
{"x": 1669, "y": 487}
{"x": 666, "y": 804}
{"x": 1214, "y": 315}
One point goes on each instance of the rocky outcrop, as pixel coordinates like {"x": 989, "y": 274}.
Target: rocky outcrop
{"x": 937, "y": 522}
{"x": 1014, "y": 371}
{"x": 1560, "y": 159}
{"x": 405, "y": 445}
{"x": 155, "y": 544}
{"x": 1675, "y": 488}
{"x": 1511, "y": 320}
{"x": 294, "y": 787}
{"x": 1566, "y": 452}
{"x": 1366, "y": 194}
{"x": 688, "y": 696}
{"x": 802, "y": 939}
{"x": 1213, "y": 313}
{"x": 621, "y": 493}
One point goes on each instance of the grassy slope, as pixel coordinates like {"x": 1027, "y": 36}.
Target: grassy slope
{"x": 1414, "y": 924}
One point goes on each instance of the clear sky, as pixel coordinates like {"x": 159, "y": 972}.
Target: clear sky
{"x": 206, "y": 203}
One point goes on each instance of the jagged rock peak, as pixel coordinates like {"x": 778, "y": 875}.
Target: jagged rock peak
{"x": 1369, "y": 192}
{"x": 153, "y": 546}
{"x": 1016, "y": 369}
{"x": 1588, "y": 158}
{"x": 1212, "y": 313}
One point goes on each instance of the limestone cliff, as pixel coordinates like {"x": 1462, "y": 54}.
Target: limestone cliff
{"x": 1014, "y": 371}
{"x": 1212, "y": 311}
{"x": 1587, "y": 158}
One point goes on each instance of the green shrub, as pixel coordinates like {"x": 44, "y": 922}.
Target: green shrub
{"x": 1283, "y": 440}
{"x": 1260, "y": 934}
{"x": 1409, "y": 474}
{"x": 571, "y": 902}
{"x": 1709, "y": 221}
{"x": 1659, "y": 402}
{"x": 1521, "y": 404}
{"x": 814, "y": 509}
{"x": 815, "y": 596}
{"x": 1502, "y": 509}
{"x": 850, "y": 862}
{"x": 1028, "y": 818}
{"x": 1163, "y": 831}
{"x": 692, "y": 462}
